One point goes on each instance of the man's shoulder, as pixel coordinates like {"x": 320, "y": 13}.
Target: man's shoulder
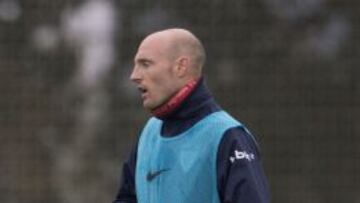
{"x": 151, "y": 124}
{"x": 151, "y": 121}
{"x": 240, "y": 138}
{"x": 216, "y": 123}
{"x": 223, "y": 118}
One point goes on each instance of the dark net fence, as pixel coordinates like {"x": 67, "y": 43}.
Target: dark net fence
{"x": 288, "y": 69}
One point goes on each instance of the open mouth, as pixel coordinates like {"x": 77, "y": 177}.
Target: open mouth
{"x": 142, "y": 90}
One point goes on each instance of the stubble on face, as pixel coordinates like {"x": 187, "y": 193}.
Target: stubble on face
{"x": 164, "y": 77}
{"x": 157, "y": 83}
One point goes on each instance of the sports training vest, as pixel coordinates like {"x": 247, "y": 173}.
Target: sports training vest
{"x": 180, "y": 169}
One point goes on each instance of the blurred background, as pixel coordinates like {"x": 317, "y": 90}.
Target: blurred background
{"x": 285, "y": 68}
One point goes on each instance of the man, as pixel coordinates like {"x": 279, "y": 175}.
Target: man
{"x": 190, "y": 151}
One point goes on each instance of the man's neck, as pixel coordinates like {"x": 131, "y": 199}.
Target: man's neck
{"x": 175, "y": 101}
{"x": 196, "y": 106}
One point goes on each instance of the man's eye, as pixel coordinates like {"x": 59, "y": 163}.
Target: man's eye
{"x": 146, "y": 64}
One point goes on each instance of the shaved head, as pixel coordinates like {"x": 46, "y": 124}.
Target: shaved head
{"x": 178, "y": 43}
{"x": 166, "y": 61}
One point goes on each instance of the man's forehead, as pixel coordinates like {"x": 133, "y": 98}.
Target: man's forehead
{"x": 146, "y": 51}
{"x": 150, "y": 48}
{"x": 140, "y": 55}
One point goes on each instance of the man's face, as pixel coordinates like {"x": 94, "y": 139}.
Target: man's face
{"x": 154, "y": 74}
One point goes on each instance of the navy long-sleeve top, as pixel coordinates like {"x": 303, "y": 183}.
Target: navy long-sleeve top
{"x": 240, "y": 176}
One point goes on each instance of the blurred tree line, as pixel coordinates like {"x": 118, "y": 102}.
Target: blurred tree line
{"x": 69, "y": 115}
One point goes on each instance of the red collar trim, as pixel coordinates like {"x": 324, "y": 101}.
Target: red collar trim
{"x": 176, "y": 100}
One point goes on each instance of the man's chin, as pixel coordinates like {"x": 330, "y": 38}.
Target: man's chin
{"x": 151, "y": 107}
{"x": 148, "y": 107}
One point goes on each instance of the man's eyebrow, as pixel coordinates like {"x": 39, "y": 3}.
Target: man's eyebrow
{"x": 143, "y": 60}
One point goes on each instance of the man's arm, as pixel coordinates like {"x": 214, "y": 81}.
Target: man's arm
{"x": 240, "y": 174}
{"x": 127, "y": 192}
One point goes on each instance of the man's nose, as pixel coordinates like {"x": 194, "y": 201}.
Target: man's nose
{"x": 135, "y": 75}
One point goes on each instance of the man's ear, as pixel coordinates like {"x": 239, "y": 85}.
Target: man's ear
{"x": 182, "y": 66}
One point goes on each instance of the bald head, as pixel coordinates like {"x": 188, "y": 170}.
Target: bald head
{"x": 166, "y": 62}
{"x": 178, "y": 43}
